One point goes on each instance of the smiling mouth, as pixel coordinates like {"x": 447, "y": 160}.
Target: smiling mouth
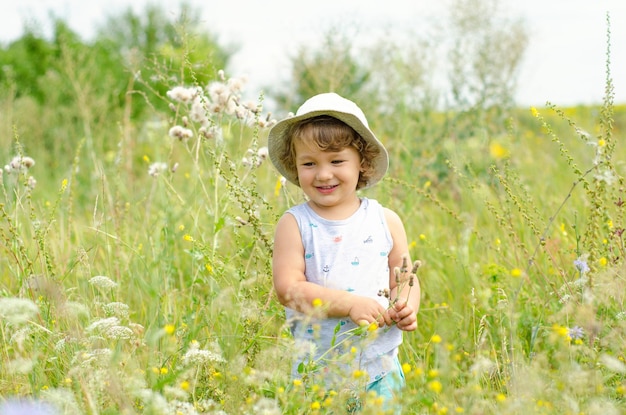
{"x": 326, "y": 188}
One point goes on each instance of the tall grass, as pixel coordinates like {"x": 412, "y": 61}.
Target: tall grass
{"x": 138, "y": 281}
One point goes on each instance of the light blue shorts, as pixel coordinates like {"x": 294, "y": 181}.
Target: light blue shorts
{"x": 390, "y": 386}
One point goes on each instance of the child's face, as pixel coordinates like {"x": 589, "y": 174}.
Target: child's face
{"x": 328, "y": 178}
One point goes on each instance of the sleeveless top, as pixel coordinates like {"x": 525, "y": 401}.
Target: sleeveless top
{"x": 351, "y": 255}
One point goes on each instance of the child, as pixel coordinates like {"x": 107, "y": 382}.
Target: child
{"x": 336, "y": 252}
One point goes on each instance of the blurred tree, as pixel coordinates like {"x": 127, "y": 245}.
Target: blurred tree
{"x": 331, "y": 66}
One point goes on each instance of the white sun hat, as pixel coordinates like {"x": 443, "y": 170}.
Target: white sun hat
{"x": 335, "y": 106}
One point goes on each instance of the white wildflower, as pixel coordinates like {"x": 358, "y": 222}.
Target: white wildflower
{"x": 17, "y": 310}
{"x": 31, "y": 183}
{"x": 263, "y": 152}
{"x": 102, "y": 281}
{"x": 212, "y": 132}
{"x": 621, "y": 315}
{"x": 252, "y": 106}
{"x": 75, "y": 309}
{"x": 197, "y": 356}
{"x": 118, "y": 333}
{"x": 182, "y": 94}
{"x": 607, "y": 176}
{"x": 19, "y": 164}
{"x": 266, "y": 406}
{"x": 117, "y": 309}
{"x": 181, "y": 133}
{"x": 102, "y": 325}
{"x": 199, "y": 111}
{"x": 237, "y": 84}
{"x": 612, "y": 363}
{"x": 20, "y": 366}
{"x": 155, "y": 169}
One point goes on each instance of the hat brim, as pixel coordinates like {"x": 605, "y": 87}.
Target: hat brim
{"x": 277, "y": 141}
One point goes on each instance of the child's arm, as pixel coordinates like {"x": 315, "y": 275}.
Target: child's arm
{"x": 404, "y": 311}
{"x": 294, "y": 291}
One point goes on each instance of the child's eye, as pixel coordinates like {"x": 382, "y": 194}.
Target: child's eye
{"x": 337, "y": 161}
{"x": 307, "y": 164}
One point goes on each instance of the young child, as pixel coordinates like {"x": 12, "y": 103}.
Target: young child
{"x": 337, "y": 252}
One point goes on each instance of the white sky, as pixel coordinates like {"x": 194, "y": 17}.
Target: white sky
{"x": 564, "y": 63}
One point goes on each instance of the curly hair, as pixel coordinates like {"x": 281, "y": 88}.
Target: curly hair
{"x": 329, "y": 134}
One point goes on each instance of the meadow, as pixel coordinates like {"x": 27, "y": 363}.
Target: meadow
{"x": 135, "y": 277}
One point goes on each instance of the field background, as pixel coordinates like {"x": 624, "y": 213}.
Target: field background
{"x": 136, "y": 229}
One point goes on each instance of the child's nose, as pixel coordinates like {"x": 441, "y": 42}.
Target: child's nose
{"x": 324, "y": 173}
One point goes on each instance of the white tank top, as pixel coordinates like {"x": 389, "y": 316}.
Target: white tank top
{"x": 351, "y": 255}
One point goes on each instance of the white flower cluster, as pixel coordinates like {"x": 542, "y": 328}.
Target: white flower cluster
{"x": 102, "y": 281}
{"x": 157, "y": 168}
{"x": 196, "y": 356}
{"x": 20, "y": 165}
{"x": 223, "y": 97}
{"x": 255, "y": 159}
{"x": 17, "y": 310}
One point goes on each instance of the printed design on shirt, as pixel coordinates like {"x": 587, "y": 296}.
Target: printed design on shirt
{"x": 383, "y": 253}
{"x": 326, "y": 269}
{"x": 338, "y": 239}
{"x": 309, "y": 255}
{"x": 350, "y": 289}
{"x": 369, "y": 240}
{"x": 312, "y": 225}
{"x": 355, "y": 261}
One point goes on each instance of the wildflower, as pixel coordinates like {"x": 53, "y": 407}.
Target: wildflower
{"x": 406, "y": 368}
{"x": 435, "y": 338}
{"x": 500, "y": 397}
{"x": 181, "y": 133}
{"x": 118, "y": 333}
{"x": 197, "y": 356}
{"x": 188, "y": 238}
{"x": 422, "y": 237}
{"x": 31, "y": 183}
{"x": 102, "y": 281}
{"x": 534, "y": 112}
{"x": 182, "y": 94}
{"x": 102, "y": 325}
{"x": 575, "y": 333}
{"x": 581, "y": 265}
{"x": 116, "y": 309}
{"x": 498, "y": 151}
{"x": 19, "y": 164}
{"x": 357, "y": 374}
{"x": 435, "y": 386}
{"x": 157, "y": 168}
{"x": 315, "y": 405}
{"x": 516, "y": 272}
{"x": 561, "y": 331}
{"x": 279, "y": 185}
{"x": 17, "y": 310}
{"x": 169, "y": 329}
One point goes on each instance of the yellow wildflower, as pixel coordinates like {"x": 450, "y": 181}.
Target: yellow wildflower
{"x": 435, "y": 386}
{"x": 169, "y": 329}
{"x": 435, "y": 338}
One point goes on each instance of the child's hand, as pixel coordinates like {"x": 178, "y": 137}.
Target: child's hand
{"x": 367, "y": 311}
{"x": 404, "y": 316}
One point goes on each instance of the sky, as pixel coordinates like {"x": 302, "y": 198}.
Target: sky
{"x": 564, "y": 64}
